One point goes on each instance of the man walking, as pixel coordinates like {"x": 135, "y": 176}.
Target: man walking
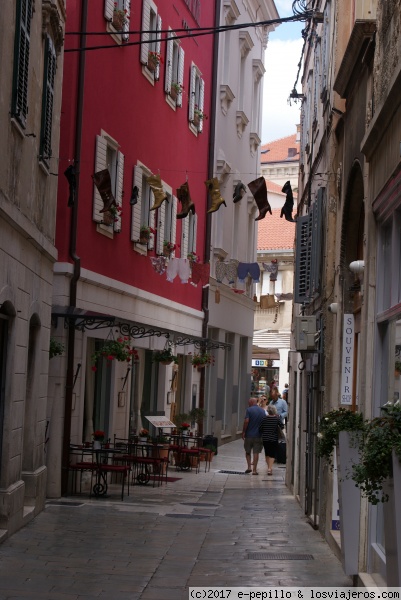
{"x": 251, "y": 435}
{"x": 280, "y": 404}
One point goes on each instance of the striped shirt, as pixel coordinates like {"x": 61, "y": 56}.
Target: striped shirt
{"x": 269, "y": 428}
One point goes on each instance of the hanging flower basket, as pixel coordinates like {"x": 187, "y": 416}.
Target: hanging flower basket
{"x": 119, "y": 349}
{"x": 202, "y": 359}
{"x": 165, "y": 357}
{"x": 144, "y": 234}
{"x": 168, "y": 248}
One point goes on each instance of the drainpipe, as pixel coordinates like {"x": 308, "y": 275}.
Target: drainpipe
{"x": 208, "y": 227}
{"x": 73, "y": 255}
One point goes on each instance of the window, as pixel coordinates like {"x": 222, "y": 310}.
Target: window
{"x": 166, "y": 221}
{"x": 113, "y": 10}
{"x": 108, "y": 157}
{"x": 188, "y": 235}
{"x": 19, "y": 108}
{"x": 150, "y": 42}
{"x": 49, "y": 74}
{"x": 174, "y": 70}
{"x": 141, "y": 213}
{"x": 196, "y": 99}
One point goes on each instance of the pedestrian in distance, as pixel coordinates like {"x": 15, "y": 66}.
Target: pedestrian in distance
{"x": 253, "y": 444}
{"x": 269, "y": 429}
{"x": 280, "y": 404}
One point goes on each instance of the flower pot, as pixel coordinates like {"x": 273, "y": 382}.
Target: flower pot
{"x": 97, "y": 444}
{"x": 143, "y": 239}
{"x": 166, "y": 362}
{"x": 167, "y": 253}
{"x": 200, "y": 367}
{"x": 152, "y": 64}
{"x": 143, "y": 438}
{"x": 196, "y": 120}
{"x": 173, "y": 93}
{"x": 118, "y": 22}
{"x": 185, "y": 432}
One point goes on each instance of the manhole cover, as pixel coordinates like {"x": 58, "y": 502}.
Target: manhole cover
{"x": 233, "y": 472}
{"x": 281, "y": 556}
{"x": 62, "y": 503}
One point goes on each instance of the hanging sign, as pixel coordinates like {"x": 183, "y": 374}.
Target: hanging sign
{"x": 347, "y": 365}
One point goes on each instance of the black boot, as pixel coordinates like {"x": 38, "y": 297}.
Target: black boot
{"x": 259, "y": 191}
{"x": 103, "y": 183}
{"x": 286, "y": 211}
{"x": 186, "y": 202}
{"x": 239, "y": 192}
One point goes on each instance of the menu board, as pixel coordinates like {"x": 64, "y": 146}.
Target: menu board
{"x": 160, "y": 421}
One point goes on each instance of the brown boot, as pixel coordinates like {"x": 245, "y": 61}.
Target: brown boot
{"x": 214, "y": 190}
{"x": 259, "y": 191}
{"x": 186, "y": 202}
{"x": 102, "y": 181}
{"x": 156, "y": 186}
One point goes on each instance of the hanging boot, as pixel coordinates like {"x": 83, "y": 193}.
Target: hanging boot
{"x": 185, "y": 199}
{"x": 239, "y": 192}
{"x": 102, "y": 181}
{"x": 214, "y": 190}
{"x": 156, "y": 186}
{"x": 259, "y": 191}
{"x": 286, "y": 211}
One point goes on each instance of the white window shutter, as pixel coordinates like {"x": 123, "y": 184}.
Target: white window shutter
{"x": 127, "y": 8}
{"x": 169, "y": 65}
{"x": 136, "y": 209}
{"x": 191, "y": 98}
{"x": 184, "y": 237}
{"x": 108, "y": 9}
{"x": 100, "y": 164}
{"x": 181, "y": 57}
{"x": 201, "y": 101}
{"x": 173, "y": 235}
{"x": 120, "y": 187}
{"x": 194, "y": 224}
{"x": 145, "y": 32}
{"x": 152, "y": 224}
{"x": 158, "y": 46}
{"x": 161, "y": 218}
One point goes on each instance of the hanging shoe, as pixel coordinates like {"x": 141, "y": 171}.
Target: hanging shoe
{"x": 214, "y": 190}
{"x": 102, "y": 181}
{"x": 186, "y": 202}
{"x": 286, "y": 211}
{"x": 259, "y": 191}
{"x": 156, "y": 186}
{"x": 239, "y": 192}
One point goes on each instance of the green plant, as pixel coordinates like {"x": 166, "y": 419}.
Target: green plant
{"x": 116, "y": 211}
{"x": 165, "y": 355}
{"x": 178, "y": 87}
{"x": 119, "y": 349}
{"x": 168, "y": 246}
{"x": 202, "y": 359}
{"x": 397, "y": 365}
{"x": 56, "y": 348}
{"x": 199, "y": 113}
{"x": 181, "y": 418}
{"x": 197, "y": 415}
{"x": 193, "y": 257}
{"x": 147, "y": 230}
{"x": 210, "y": 447}
{"x": 382, "y": 436}
{"x": 119, "y": 14}
{"x": 331, "y": 423}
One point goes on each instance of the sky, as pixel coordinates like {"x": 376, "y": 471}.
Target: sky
{"x": 283, "y": 53}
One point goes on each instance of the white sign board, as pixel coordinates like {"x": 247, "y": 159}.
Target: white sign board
{"x": 160, "y": 422}
{"x": 347, "y": 364}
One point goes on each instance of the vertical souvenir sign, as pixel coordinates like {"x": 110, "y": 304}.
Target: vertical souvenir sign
{"x": 347, "y": 364}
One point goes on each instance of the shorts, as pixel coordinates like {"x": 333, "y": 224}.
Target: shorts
{"x": 271, "y": 449}
{"x": 180, "y": 267}
{"x": 254, "y": 444}
{"x": 200, "y": 272}
{"x": 252, "y": 268}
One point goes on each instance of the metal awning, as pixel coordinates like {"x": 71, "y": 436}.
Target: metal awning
{"x": 87, "y": 320}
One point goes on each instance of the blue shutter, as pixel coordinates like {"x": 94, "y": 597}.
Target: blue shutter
{"x": 21, "y": 61}
{"x": 303, "y": 259}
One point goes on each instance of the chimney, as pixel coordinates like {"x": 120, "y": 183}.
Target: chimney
{"x": 292, "y": 152}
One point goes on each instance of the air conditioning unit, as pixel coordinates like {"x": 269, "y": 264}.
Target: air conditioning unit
{"x": 305, "y": 331}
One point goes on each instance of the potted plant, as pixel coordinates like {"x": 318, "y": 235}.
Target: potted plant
{"x": 197, "y": 415}
{"x": 154, "y": 60}
{"x": 176, "y": 89}
{"x": 120, "y": 17}
{"x": 199, "y": 116}
{"x": 144, "y": 234}
{"x": 56, "y": 348}
{"x": 331, "y": 423}
{"x": 184, "y": 427}
{"x": 165, "y": 357}
{"x": 119, "y": 349}
{"x": 143, "y": 435}
{"x": 98, "y": 439}
{"x": 201, "y": 360}
{"x": 168, "y": 248}
{"x": 192, "y": 257}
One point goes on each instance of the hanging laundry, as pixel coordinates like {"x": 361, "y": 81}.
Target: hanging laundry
{"x": 200, "y": 272}
{"x": 159, "y": 264}
{"x": 272, "y": 269}
{"x": 252, "y": 269}
{"x": 227, "y": 269}
{"x": 180, "y": 267}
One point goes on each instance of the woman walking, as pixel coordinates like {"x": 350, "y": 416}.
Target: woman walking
{"x": 269, "y": 429}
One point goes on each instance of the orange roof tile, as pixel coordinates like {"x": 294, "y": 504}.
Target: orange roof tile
{"x": 275, "y": 233}
{"x": 279, "y": 150}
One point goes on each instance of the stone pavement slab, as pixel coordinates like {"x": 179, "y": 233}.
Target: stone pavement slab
{"x": 214, "y": 528}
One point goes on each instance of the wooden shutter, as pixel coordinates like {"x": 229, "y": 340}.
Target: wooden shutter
{"x": 169, "y": 64}
{"x": 158, "y": 46}
{"x": 127, "y": 8}
{"x": 47, "y": 101}
{"x": 191, "y": 103}
{"x": 181, "y": 58}
{"x": 120, "y": 187}
{"x": 303, "y": 259}
{"x": 21, "y": 61}
{"x": 108, "y": 10}
{"x": 201, "y": 101}
{"x": 194, "y": 225}
{"x": 145, "y": 29}
{"x": 136, "y": 210}
{"x": 161, "y": 219}
{"x": 317, "y": 241}
{"x": 173, "y": 236}
{"x": 184, "y": 237}
{"x": 100, "y": 164}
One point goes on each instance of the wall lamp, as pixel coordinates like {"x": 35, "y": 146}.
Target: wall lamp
{"x": 357, "y": 266}
{"x": 333, "y": 308}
